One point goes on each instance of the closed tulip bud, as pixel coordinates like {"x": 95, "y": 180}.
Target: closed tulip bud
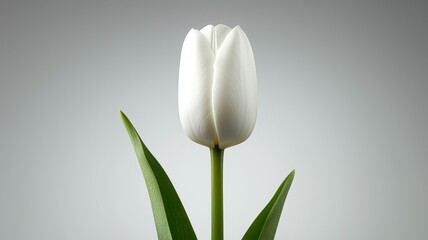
{"x": 217, "y": 90}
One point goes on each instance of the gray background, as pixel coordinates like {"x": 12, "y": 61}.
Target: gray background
{"x": 343, "y": 89}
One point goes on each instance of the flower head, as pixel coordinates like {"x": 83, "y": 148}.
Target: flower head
{"x": 217, "y": 91}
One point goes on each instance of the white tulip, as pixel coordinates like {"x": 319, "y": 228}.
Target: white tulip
{"x": 217, "y": 90}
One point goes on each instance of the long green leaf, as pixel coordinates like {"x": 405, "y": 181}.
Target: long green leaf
{"x": 265, "y": 225}
{"x": 171, "y": 219}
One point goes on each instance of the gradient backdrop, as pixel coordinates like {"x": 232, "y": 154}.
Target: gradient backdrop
{"x": 343, "y": 99}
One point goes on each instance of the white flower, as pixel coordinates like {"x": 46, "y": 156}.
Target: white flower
{"x": 217, "y": 92}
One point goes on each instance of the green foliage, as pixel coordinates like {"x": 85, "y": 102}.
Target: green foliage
{"x": 171, "y": 219}
{"x": 265, "y": 225}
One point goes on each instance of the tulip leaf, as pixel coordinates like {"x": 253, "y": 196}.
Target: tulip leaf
{"x": 170, "y": 217}
{"x": 265, "y": 225}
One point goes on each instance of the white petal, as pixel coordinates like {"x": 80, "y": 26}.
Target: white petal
{"x": 194, "y": 89}
{"x": 234, "y": 90}
{"x": 215, "y": 35}
{"x": 222, "y": 31}
{"x": 207, "y": 31}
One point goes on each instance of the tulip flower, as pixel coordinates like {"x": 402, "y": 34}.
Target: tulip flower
{"x": 217, "y": 86}
{"x": 217, "y": 96}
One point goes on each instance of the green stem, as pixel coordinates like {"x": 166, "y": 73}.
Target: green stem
{"x": 217, "y": 193}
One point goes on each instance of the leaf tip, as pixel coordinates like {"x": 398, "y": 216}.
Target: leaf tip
{"x": 123, "y": 116}
{"x": 292, "y": 173}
